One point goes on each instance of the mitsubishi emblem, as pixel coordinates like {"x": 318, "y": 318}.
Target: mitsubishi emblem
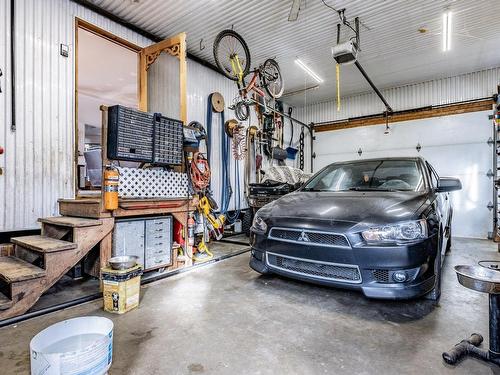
{"x": 304, "y": 237}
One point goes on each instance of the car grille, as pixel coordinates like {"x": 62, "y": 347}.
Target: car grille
{"x": 321, "y": 270}
{"x": 309, "y": 237}
{"x": 381, "y": 276}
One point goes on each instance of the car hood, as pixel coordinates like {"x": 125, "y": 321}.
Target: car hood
{"x": 356, "y": 207}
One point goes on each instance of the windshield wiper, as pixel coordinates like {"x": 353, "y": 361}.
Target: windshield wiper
{"x": 359, "y": 188}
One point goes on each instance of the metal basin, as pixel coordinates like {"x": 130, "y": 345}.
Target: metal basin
{"x": 479, "y": 278}
{"x": 492, "y": 264}
{"x": 123, "y": 262}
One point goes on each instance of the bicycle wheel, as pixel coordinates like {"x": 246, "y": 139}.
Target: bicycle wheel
{"x": 228, "y": 44}
{"x": 272, "y": 79}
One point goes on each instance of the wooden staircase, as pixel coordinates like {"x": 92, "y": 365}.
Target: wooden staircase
{"x": 40, "y": 261}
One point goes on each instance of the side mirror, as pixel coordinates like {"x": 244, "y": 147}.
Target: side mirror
{"x": 448, "y": 184}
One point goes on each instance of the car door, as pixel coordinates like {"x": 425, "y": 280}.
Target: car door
{"x": 442, "y": 206}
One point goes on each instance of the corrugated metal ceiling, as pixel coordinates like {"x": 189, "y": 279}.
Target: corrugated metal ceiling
{"x": 394, "y": 52}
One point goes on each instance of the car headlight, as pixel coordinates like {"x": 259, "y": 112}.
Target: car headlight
{"x": 405, "y": 231}
{"x": 259, "y": 225}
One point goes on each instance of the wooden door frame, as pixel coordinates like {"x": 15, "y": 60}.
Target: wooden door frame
{"x": 87, "y": 26}
{"x": 174, "y": 46}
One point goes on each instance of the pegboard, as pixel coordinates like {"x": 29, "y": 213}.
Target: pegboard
{"x": 152, "y": 183}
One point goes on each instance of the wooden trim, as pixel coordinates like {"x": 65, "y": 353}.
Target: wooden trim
{"x": 106, "y": 34}
{"x": 176, "y": 46}
{"x": 183, "y": 78}
{"x": 82, "y": 24}
{"x": 452, "y": 109}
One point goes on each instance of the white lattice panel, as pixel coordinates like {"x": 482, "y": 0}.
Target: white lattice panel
{"x": 152, "y": 183}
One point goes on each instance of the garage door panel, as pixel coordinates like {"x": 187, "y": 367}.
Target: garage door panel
{"x": 455, "y": 145}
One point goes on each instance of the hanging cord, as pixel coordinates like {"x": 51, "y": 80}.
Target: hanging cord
{"x": 209, "y": 126}
{"x": 239, "y": 144}
{"x": 227, "y": 190}
{"x": 337, "y": 71}
{"x": 199, "y": 172}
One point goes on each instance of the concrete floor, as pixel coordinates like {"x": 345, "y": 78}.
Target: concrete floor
{"x": 67, "y": 289}
{"x": 226, "y": 319}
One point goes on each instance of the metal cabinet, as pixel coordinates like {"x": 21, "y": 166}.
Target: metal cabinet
{"x": 158, "y": 242}
{"x": 150, "y": 239}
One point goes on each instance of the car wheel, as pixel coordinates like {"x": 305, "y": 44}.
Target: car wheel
{"x": 435, "y": 293}
{"x": 246, "y": 223}
{"x": 448, "y": 244}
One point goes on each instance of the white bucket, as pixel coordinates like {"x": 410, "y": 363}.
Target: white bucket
{"x": 237, "y": 226}
{"x": 74, "y": 346}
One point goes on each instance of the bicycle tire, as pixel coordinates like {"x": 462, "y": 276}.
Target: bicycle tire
{"x": 218, "y": 54}
{"x": 241, "y": 111}
{"x": 273, "y": 93}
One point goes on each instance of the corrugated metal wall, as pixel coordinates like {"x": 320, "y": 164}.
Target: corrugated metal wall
{"x": 5, "y": 140}
{"x": 440, "y": 91}
{"x": 38, "y": 160}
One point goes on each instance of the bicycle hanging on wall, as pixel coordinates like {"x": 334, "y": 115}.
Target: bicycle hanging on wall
{"x": 232, "y": 57}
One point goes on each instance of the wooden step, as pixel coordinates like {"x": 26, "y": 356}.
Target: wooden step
{"x": 68, "y": 221}
{"x": 43, "y": 244}
{"x": 13, "y": 269}
{"x": 5, "y": 303}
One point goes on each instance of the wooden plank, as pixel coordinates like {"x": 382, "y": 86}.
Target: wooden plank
{"x": 43, "y": 244}
{"x": 5, "y": 302}
{"x": 90, "y": 208}
{"x": 13, "y": 269}
{"x": 454, "y": 109}
{"x": 6, "y": 249}
{"x": 69, "y": 221}
{"x": 183, "y": 78}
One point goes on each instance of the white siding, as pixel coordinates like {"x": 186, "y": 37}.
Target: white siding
{"x": 38, "y": 161}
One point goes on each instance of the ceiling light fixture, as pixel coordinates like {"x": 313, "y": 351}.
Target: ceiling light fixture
{"x": 308, "y": 70}
{"x": 447, "y": 31}
{"x": 294, "y": 10}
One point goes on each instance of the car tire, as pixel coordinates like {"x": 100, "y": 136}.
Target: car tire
{"x": 435, "y": 293}
{"x": 246, "y": 222}
{"x": 448, "y": 244}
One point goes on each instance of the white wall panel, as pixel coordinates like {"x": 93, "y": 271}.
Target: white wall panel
{"x": 38, "y": 160}
{"x": 6, "y": 182}
{"x": 455, "y": 145}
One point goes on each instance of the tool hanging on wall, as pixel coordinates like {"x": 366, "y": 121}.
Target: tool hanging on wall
{"x": 215, "y": 222}
{"x": 199, "y": 172}
{"x": 291, "y": 151}
{"x": 215, "y": 103}
{"x": 111, "y": 180}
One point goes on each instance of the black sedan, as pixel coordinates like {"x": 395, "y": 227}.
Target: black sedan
{"x": 381, "y": 226}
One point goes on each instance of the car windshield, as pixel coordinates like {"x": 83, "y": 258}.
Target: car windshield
{"x": 372, "y": 175}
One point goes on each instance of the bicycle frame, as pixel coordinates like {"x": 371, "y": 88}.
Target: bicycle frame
{"x": 243, "y": 88}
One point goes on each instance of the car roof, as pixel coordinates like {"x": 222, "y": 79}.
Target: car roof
{"x": 402, "y": 158}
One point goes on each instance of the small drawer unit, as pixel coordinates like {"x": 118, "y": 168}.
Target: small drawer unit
{"x": 148, "y": 238}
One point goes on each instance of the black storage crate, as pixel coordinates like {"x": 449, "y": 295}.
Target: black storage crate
{"x": 143, "y": 137}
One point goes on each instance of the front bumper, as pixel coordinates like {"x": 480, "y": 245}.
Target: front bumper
{"x": 375, "y": 265}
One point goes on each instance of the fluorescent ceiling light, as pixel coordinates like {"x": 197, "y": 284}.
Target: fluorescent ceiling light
{"x": 294, "y": 10}
{"x": 447, "y": 31}
{"x": 308, "y": 70}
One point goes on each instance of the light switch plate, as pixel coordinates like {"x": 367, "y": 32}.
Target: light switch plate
{"x": 64, "y": 50}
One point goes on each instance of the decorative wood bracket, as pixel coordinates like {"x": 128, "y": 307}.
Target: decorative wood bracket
{"x": 173, "y": 50}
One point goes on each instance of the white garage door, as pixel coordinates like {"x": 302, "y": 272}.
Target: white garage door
{"x": 455, "y": 145}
